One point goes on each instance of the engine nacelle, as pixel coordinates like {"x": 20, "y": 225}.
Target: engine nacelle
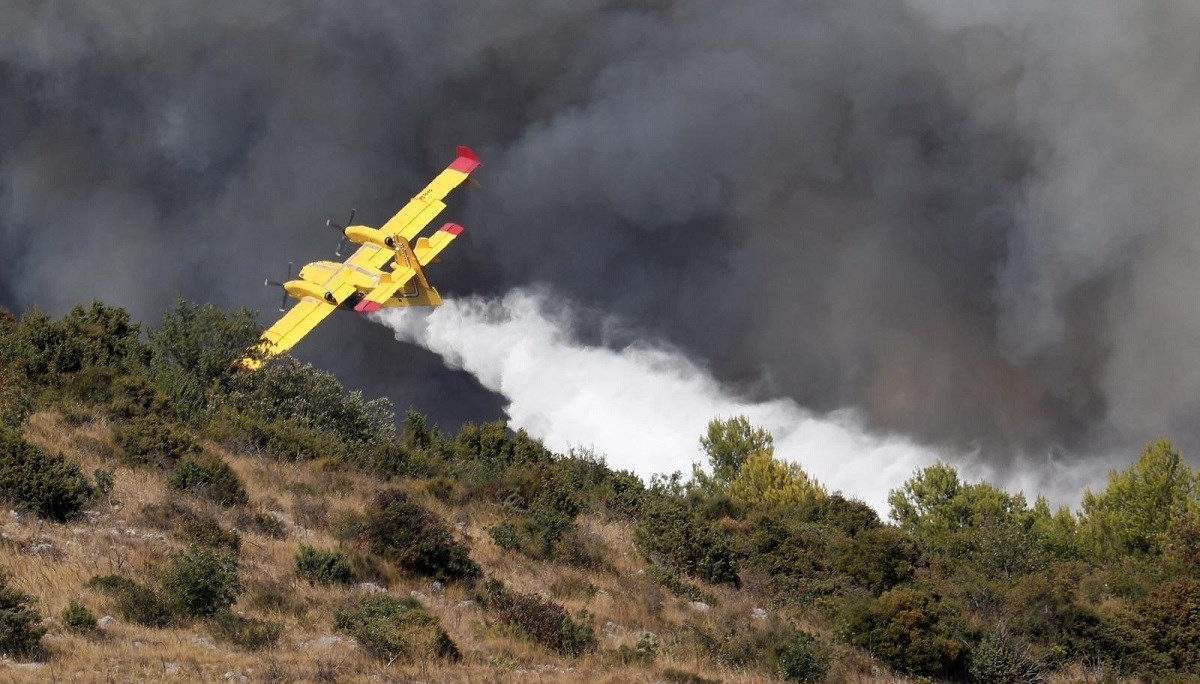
{"x": 302, "y": 288}
{"x": 366, "y": 234}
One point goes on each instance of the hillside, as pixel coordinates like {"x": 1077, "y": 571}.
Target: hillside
{"x": 172, "y": 517}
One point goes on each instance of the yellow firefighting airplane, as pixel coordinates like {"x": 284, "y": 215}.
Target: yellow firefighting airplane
{"x": 386, "y": 270}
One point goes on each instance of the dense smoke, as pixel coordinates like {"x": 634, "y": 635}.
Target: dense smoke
{"x": 972, "y": 221}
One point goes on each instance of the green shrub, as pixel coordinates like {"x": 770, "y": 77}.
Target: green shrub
{"x": 405, "y": 533}
{"x": 878, "y": 559}
{"x": 135, "y": 602}
{"x": 203, "y": 342}
{"x": 995, "y": 660}
{"x": 911, "y": 629}
{"x": 134, "y": 395}
{"x": 50, "y": 351}
{"x": 283, "y": 438}
{"x": 78, "y": 619}
{"x": 200, "y": 582}
{"x": 1172, "y": 613}
{"x": 16, "y": 396}
{"x": 207, "y": 532}
{"x": 267, "y": 525}
{"x": 505, "y": 536}
{"x": 287, "y": 390}
{"x": 323, "y": 567}
{"x": 105, "y": 480}
{"x": 772, "y": 647}
{"x": 645, "y": 652}
{"x": 622, "y": 493}
{"x": 248, "y": 633}
{"x": 671, "y": 535}
{"x": 396, "y": 629}
{"x": 47, "y": 484}
{"x": 20, "y": 626}
{"x": 149, "y": 440}
{"x": 681, "y": 588}
{"x": 800, "y": 659}
{"x": 545, "y": 622}
{"x": 211, "y": 478}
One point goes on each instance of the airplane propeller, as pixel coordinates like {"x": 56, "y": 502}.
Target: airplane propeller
{"x": 269, "y": 282}
{"x": 342, "y": 230}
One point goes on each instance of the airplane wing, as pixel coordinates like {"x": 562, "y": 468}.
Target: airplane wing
{"x": 407, "y": 268}
{"x": 287, "y": 331}
{"x": 428, "y": 248}
{"x": 428, "y": 203}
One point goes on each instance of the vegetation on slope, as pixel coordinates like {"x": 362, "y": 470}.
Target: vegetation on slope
{"x": 267, "y": 509}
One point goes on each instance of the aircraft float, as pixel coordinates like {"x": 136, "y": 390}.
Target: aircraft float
{"x": 385, "y": 271}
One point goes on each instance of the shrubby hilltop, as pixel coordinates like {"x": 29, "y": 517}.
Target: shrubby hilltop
{"x": 171, "y": 517}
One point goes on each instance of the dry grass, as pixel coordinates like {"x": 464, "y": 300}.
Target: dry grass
{"x": 54, "y": 562}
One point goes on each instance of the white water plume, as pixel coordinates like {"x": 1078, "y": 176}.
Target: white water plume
{"x": 643, "y": 408}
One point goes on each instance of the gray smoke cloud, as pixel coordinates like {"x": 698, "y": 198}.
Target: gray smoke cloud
{"x": 973, "y": 221}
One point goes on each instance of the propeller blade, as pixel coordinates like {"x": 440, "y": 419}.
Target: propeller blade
{"x": 341, "y": 229}
{"x": 275, "y": 283}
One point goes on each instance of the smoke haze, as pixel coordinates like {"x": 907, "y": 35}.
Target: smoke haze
{"x": 971, "y": 223}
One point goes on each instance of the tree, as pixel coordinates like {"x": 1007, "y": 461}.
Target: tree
{"x": 1132, "y": 515}
{"x": 765, "y": 479}
{"x": 729, "y": 442}
{"x": 203, "y": 341}
{"x": 978, "y": 524}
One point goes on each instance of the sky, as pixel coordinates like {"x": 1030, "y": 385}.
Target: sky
{"x": 962, "y": 230}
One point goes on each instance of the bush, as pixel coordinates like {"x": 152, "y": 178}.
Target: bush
{"x": 207, "y": 532}
{"x": 396, "y": 629}
{"x": 323, "y": 567}
{"x": 243, "y": 632}
{"x": 267, "y": 525}
{"x": 78, "y": 619}
{"x": 1172, "y": 613}
{"x": 211, "y": 478}
{"x": 505, "y": 536}
{"x": 135, "y": 602}
{"x": 47, "y": 484}
{"x": 681, "y": 588}
{"x": 879, "y": 559}
{"x": 403, "y": 532}
{"x": 203, "y": 342}
{"x": 16, "y": 401}
{"x": 913, "y": 630}
{"x": 149, "y": 440}
{"x": 105, "y": 480}
{"x": 622, "y": 493}
{"x": 645, "y": 652}
{"x": 200, "y": 583}
{"x": 671, "y": 535}
{"x": 544, "y": 621}
{"x": 800, "y": 659}
{"x": 287, "y": 390}
{"x": 20, "y": 626}
{"x": 774, "y": 647}
{"x": 134, "y": 395}
{"x": 994, "y": 660}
